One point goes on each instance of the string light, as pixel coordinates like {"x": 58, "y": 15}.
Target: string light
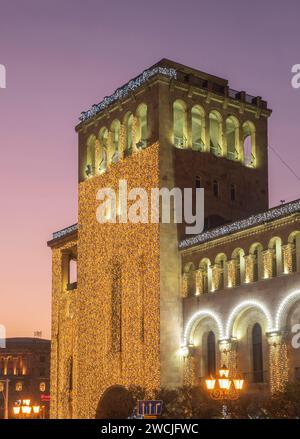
{"x": 251, "y": 221}
{"x": 124, "y": 91}
{"x": 87, "y": 336}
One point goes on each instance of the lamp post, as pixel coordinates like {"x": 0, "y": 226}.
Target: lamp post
{"x": 224, "y": 387}
{"x": 24, "y": 409}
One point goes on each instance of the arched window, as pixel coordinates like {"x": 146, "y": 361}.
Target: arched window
{"x": 276, "y": 248}
{"x": 211, "y": 354}
{"x": 129, "y": 134}
{"x": 198, "y": 182}
{"x": 221, "y": 261}
{"x": 256, "y": 252}
{"x": 238, "y": 256}
{"x": 179, "y": 124}
{"x": 205, "y": 267}
{"x": 248, "y": 131}
{"x": 232, "y": 192}
{"x": 216, "y": 188}
{"x": 215, "y": 133}
{"x": 90, "y": 156}
{"x": 191, "y": 279}
{"x": 198, "y": 128}
{"x": 103, "y": 140}
{"x": 115, "y": 132}
{"x": 257, "y": 353}
{"x": 232, "y": 138}
{"x": 72, "y": 271}
{"x": 142, "y": 128}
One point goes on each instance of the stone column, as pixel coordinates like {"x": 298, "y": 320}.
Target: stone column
{"x": 267, "y": 259}
{"x": 287, "y": 256}
{"x": 231, "y": 273}
{"x": 223, "y": 139}
{"x": 199, "y": 282}
{"x": 189, "y": 141}
{"x": 249, "y": 268}
{"x": 215, "y": 277}
{"x": 134, "y": 129}
{"x": 110, "y": 147}
{"x": 241, "y": 156}
{"x": 278, "y": 361}
{"x": 122, "y": 141}
{"x": 228, "y": 354}
{"x": 207, "y": 138}
{"x": 184, "y": 285}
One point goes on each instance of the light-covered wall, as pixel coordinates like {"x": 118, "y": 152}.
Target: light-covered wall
{"x": 99, "y": 246}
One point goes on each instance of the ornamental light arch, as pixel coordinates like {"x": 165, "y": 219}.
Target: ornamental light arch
{"x": 283, "y": 309}
{"x": 241, "y": 308}
{"x": 196, "y": 319}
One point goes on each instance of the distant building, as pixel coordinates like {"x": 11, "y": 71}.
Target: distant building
{"x": 153, "y": 307}
{"x": 25, "y": 362}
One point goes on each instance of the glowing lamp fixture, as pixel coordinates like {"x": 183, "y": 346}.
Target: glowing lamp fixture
{"x": 210, "y": 383}
{"x": 16, "y": 410}
{"x": 36, "y": 409}
{"x": 224, "y": 371}
{"x": 238, "y": 383}
{"x": 224, "y": 383}
{"x": 224, "y": 387}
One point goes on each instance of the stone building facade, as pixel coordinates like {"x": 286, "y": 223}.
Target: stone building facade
{"x": 151, "y": 306}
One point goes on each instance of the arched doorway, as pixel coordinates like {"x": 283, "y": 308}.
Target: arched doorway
{"x": 115, "y": 403}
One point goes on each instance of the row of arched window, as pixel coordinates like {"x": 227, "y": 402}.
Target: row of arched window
{"x": 258, "y": 264}
{"x": 235, "y": 141}
{"x": 107, "y": 147}
{"x": 257, "y": 354}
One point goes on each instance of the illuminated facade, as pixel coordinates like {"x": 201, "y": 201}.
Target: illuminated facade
{"x": 151, "y": 306}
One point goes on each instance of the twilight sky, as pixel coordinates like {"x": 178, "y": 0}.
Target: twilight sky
{"x": 62, "y": 56}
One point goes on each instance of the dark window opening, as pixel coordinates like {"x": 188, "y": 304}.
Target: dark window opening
{"x": 216, "y": 188}
{"x": 257, "y": 354}
{"x": 211, "y": 354}
{"x": 232, "y": 192}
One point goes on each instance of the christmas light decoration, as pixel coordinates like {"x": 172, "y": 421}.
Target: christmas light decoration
{"x": 283, "y": 308}
{"x": 251, "y": 221}
{"x": 195, "y": 320}
{"x": 243, "y": 306}
{"x": 124, "y": 91}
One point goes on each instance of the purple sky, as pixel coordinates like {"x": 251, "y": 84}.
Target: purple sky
{"x": 62, "y": 56}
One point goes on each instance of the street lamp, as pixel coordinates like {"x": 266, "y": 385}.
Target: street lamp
{"x": 24, "y": 409}
{"x": 224, "y": 387}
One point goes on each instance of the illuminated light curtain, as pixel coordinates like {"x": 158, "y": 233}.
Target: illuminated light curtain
{"x": 116, "y": 308}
